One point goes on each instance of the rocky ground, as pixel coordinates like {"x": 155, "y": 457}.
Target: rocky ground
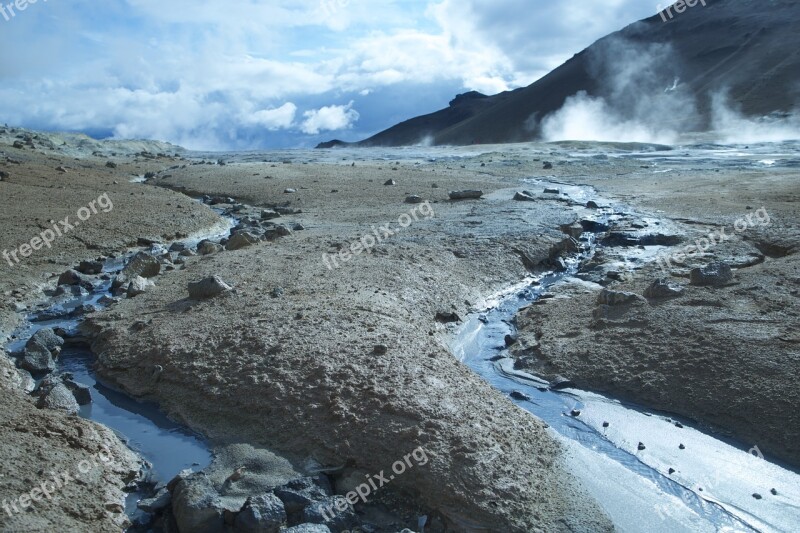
{"x": 339, "y": 362}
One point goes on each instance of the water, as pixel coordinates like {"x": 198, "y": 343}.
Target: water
{"x": 714, "y": 480}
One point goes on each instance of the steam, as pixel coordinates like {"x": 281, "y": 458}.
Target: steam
{"x": 641, "y": 98}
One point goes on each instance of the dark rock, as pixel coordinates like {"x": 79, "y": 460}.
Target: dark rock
{"x": 37, "y": 358}
{"x": 276, "y": 232}
{"x": 510, "y": 340}
{"x": 414, "y": 199}
{"x": 207, "y": 247}
{"x": 157, "y": 503}
{"x": 334, "y": 512}
{"x": 380, "y": 349}
{"x": 196, "y": 505}
{"x": 593, "y": 226}
{"x": 177, "y": 247}
{"x": 663, "y": 288}
{"x": 269, "y": 214}
{"x": 446, "y": 317}
{"x": 70, "y": 277}
{"x": 47, "y": 338}
{"x": 757, "y": 496}
{"x": 574, "y": 230}
{"x": 575, "y": 413}
{"x": 612, "y": 298}
{"x": 308, "y": 528}
{"x": 714, "y": 275}
{"x": 300, "y": 493}
{"x": 4, "y": 175}
{"x": 552, "y": 190}
{"x": 671, "y": 471}
{"x": 774, "y": 492}
{"x": 241, "y": 240}
{"x": 208, "y": 288}
{"x": 465, "y": 195}
{"x": 90, "y": 267}
{"x": 390, "y": 183}
{"x": 277, "y": 292}
{"x": 111, "y": 164}
{"x": 641, "y": 447}
{"x": 53, "y": 394}
{"x": 261, "y": 514}
{"x": 560, "y": 383}
{"x": 681, "y": 447}
{"x": 521, "y": 396}
{"x": 591, "y": 204}
{"x": 524, "y": 197}
{"x": 606, "y": 424}
{"x": 81, "y": 392}
{"x": 547, "y": 165}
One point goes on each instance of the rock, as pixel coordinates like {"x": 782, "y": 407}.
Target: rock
{"x": 380, "y": 349}
{"x": 671, "y": 471}
{"x": 446, "y": 317}
{"x": 308, "y": 528}
{"x": 177, "y": 247}
{"x": 591, "y": 204}
{"x": 757, "y": 496}
{"x": 19, "y": 145}
{"x": 37, "y": 358}
{"x": 575, "y": 413}
{"x": 663, "y": 288}
{"x": 4, "y": 175}
{"x": 269, "y": 214}
{"x": 241, "y": 240}
{"x": 283, "y": 210}
{"x": 70, "y": 277}
{"x": 196, "y": 505}
{"x": 111, "y": 164}
{"x": 681, "y": 447}
{"x": 290, "y": 191}
{"x": 567, "y": 246}
{"x": 142, "y": 264}
{"x": 81, "y": 392}
{"x": 90, "y": 268}
{"x": 55, "y": 395}
{"x": 465, "y": 195}
{"x": 277, "y": 292}
{"x": 715, "y": 275}
{"x": 524, "y": 196}
{"x": 519, "y": 395}
{"x": 208, "y": 288}
{"x": 328, "y": 512}
{"x": 510, "y": 340}
{"x": 207, "y": 247}
{"x": 137, "y": 286}
{"x": 70, "y": 290}
{"x": 560, "y": 383}
{"x": 298, "y": 494}
{"x": 547, "y": 165}
{"x": 156, "y": 504}
{"x": 774, "y": 492}
{"x": 611, "y": 298}
{"x": 593, "y": 226}
{"x": 552, "y": 190}
{"x": 574, "y": 230}
{"x": 277, "y": 232}
{"x": 390, "y": 183}
{"x": 414, "y": 199}
{"x": 47, "y": 338}
{"x": 641, "y": 447}
{"x": 261, "y": 514}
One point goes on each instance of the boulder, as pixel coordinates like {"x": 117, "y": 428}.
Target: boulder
{"x": 55, "y": 395}
{"x": 72, "y": 277}
{"x": 37, "y": 358}
{"x": 241, "y": 240}
{"x": 208, "y": 288}
{"x": 663, "y": 288}
{"x": 48, "y": 338}
{"x": 308, "y": 528}
{"x": 142, "y": 264}
{"x": 157, "y": 503}
{"x": 612, "y": 298}
{"x": 298, "y": 494}
{"x": 713, "y": 275}
{"x": 328, "y": 512}
{"x": 269, "y": 214}
{"x": 414, "y": 199}
{"x": 547, "y": 165}
{"x": 177, "y": 247}
{"x": 447, "y": 317}
{"x": 574, "y": 230}
{"x": 465, "y": 195}
{"x": 390, "y": 183}
{"x": 196, "y": 505}
{"x": 524, "y": 196}
{"x": 261, "y": 514}
{"x": 137, "y": 286}
{"x": 209, "y": 247}
{"x": 277, "y": 232}
{"x": 90, "y": 267}
{"x": 81, "y": 392}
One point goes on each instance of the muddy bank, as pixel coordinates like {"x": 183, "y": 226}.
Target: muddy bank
{"x": 349, "y": 365}
{"x": 725, "y": 355}
{"x": 42, "y": 183}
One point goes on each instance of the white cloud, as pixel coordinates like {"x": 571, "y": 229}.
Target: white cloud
{"x": 274, "y": 119}
{"x": 329, "y": 118}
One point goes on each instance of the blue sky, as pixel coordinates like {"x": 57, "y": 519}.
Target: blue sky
{"x": 247, "y": 74}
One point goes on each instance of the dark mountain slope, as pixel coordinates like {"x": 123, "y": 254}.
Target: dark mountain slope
{"x": 747, "y": 49}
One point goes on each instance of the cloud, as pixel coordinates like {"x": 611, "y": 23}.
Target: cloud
{"x": 274, "y": 119}
{"x": 237, "y": 75}
{"x": 329, "y": 118}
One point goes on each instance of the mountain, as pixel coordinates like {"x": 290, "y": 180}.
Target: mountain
{"x": 679, "y": 73}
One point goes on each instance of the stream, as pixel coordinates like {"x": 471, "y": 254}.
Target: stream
{"x": 714, "y": 481}
{"x": 711, "y": 489}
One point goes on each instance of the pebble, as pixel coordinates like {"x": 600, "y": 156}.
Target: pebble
{"x": 642, "y": 446}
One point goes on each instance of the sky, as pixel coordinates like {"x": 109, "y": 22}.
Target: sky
{"x": 256, "y": 74}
